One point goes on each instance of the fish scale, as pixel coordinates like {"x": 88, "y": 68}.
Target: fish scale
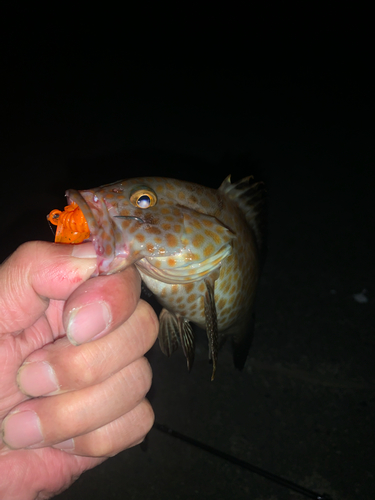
{"x": 199, "y": 250}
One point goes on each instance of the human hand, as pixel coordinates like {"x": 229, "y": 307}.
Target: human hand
{"x": 94, "y": 404}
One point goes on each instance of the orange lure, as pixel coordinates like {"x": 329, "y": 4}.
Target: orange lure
{"x": 71, "y": 224}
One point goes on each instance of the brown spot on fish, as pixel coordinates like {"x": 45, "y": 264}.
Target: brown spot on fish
{"x": 222, "y": 302}
{"x": 171, "y": 240}
{"x": 171, "y": 262}
{"x": 188, "y": 287}
{"x": 177, "y": 228}
{"x": 150, "y": 248}
{"x": 140, "y": 237}
{"x": 125, "y": 224}
{"x": 153, "y": 230}
{"x": 191, "y": 298}
{"x": 158, "y": 240}
{"x": 202, "y": 287}
{"x": 213, "y": 235}
{"x": 166, "y": 227}
{"x": 233, "y": 314}
{"x": 174, "y": 289}
{"x": 198, "y": 240}
{"x": 149, "y": 218}
{"x": 181, "y": 195}
{"x": 209, "y": 250}
{"x": 196, "y": 224}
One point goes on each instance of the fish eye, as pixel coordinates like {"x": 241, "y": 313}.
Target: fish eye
{"x": 143, "y": 198}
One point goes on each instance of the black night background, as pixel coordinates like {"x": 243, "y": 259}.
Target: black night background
{"x": 89, "y": 98}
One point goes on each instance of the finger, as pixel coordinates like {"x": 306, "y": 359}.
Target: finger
{"x": 61, "y": 367}
{"x": 101, "y": 304}
{"x": 126, "y": 431}
{"x": 46, "y": 421}
{"x": 36, "y": 272}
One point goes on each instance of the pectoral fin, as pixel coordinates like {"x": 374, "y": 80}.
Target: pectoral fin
{"x": 211, "y": 320}
{"x": 175, "y": 329}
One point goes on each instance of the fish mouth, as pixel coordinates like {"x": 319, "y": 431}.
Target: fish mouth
{"x": 112, "y": 256}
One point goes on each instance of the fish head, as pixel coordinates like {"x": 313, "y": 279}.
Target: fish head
{"x": 152, "y": 223}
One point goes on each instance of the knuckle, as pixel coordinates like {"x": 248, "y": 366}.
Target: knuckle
{"x": 83, "y": 365}
{"x": 141, "y": 377}
{"x": 141, "y": 420}
{"x": 148, "y": 416}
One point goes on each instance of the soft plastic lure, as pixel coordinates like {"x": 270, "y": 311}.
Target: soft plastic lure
{"x": 71, "y": 224}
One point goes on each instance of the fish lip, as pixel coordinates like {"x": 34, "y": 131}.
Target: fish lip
{"x": 95, "y": 212}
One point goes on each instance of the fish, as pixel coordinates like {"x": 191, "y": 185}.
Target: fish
{"x": 199, "y": 250}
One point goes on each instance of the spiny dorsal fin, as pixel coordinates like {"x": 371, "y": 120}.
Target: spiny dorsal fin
{"x": 250, "y": 196}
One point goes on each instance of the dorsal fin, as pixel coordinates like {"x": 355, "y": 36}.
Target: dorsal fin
{"x": 250, "y": 196}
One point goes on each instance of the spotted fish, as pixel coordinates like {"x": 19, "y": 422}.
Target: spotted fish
{"x": 199, "y": 250}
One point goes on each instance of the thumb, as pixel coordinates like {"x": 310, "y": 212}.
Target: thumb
{"x": 36, "y": 272}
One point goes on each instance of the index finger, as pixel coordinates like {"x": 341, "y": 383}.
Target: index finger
{"x": 36, "y": 272}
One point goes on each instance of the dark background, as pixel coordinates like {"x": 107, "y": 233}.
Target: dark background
{"x": 92, "y": 97}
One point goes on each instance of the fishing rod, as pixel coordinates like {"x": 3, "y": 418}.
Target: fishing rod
{"x": 241, "y": 463}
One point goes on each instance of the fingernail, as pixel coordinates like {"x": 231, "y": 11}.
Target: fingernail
{"x": 87, "y": 322}
{"x": 22, "y": 429}
{"x": 66, "y": 445}
{"x": 37, "y": 379}
{"x": 84, "y": 251}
